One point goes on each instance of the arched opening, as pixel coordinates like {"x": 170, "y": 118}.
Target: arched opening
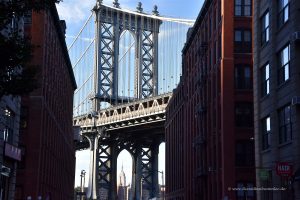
{"x": 126, "y": 65}
{"x": 124, "y": 175}
{"x": 161, "y": 169}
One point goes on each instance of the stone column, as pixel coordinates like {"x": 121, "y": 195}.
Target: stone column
{"x": 155, "y": 56}
{"x": 137, "y": 174}
{"x": 113, "y": 184}
{"x": 154, "y": 162}
{"x": 116, "y": 29}
{"x": 97, "y": 68}
{"x": 138, "y": 62}
{"x": 93, "y": 139}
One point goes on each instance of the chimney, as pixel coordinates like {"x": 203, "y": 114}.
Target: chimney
{"x": 63, "y": 26}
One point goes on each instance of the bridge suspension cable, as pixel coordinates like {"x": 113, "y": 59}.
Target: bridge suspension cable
{"x": 84, "y": 52}
{"x": 81, "y": 30}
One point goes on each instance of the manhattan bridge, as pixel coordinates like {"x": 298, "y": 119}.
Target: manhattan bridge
{"x": 126, "y": 64}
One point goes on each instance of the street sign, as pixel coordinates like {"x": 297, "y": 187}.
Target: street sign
{"x": 284, "y": 169}
{"x": 264, "y": 174}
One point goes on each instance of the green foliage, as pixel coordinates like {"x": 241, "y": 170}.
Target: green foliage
{"x": 17, "y": 76}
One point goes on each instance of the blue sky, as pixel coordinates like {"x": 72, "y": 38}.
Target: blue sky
{"x": 75, "y": 12}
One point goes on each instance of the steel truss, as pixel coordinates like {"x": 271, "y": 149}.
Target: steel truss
{"x": 150, "y": 110}
{"x": 99, "y": 130}
{"x": 104, "y": 151}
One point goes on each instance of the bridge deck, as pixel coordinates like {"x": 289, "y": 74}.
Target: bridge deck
{"x": 143, "y": 117}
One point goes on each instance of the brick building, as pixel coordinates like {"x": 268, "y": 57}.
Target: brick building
{"x": 277, "y": 97}
{"x": 48, "y": 162}
{"x": 175, "y": 157}
{"x": 209, "y": 126}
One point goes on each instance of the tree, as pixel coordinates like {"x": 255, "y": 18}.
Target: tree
{"x": 17, "y": 75}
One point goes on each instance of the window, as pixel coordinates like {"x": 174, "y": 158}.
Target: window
{"x": 244, "y": 153}
{"x": 212, "y": 16}
{"x": 216, "y": 52}
{"x": 238, "y": 36}
{"x": 243, "y": 194}
{"x": 9, "y": 119}
{"x": 285, "y": 124}
{"x": 283, "y": 12}
{"x": 244, "y": 114}
{"x": 284, "y": 65}
{"x": 211, "y": 24}
{"x": 243, "y": 77}
{"x": 28, "y": 17}
{"x": 219, "y": 11}
{"x": 242, "y": 8}
{"x": 242, "y": 41}
{"x": 206, "y": 32}
{"x": 265, "y": 31}
{"x": 265, "y": 80}
{"x": 220, "y": 47}
{"x": 217, "y": 17}
{"x": 211, "y": 60}
{"x": 266, "y": 133}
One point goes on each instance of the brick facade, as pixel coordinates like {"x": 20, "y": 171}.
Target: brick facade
{"x": 48, "y": 164}
{"x": 212, "y": 123}
{"x": 277, "y": 115}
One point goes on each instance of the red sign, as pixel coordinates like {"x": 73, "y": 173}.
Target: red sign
{"x": 284, "y": 169}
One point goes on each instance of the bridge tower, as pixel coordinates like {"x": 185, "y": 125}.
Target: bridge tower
{"x": 110, "y": 22}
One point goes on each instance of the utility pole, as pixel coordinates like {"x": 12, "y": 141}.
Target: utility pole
{"x": 163, "y": 185}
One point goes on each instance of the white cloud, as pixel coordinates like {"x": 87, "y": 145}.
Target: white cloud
{"x": 85, "y": 39}
{"x": 75, "y": 11}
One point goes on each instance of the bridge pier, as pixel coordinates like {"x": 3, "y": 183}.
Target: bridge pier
{"x": 107, "y": 166}
{"x": 103, "y": 168}
{"x": 93, "y": 138}
{"x": 145, "y": 172}
{"x": 107, "y": 139}
{"x": 154, "y": 158}
{"x": 136, "y": 179}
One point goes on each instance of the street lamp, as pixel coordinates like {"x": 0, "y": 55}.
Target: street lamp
{"x": 162, "y": 183}
{"x": 82, "y": 183}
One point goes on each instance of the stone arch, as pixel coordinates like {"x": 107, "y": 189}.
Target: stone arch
{"x": 125, "y": 165}
{"x": 126, "y": 64}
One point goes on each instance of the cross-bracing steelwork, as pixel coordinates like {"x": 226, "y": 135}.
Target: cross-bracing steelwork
{"x": 126, "y": 64}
